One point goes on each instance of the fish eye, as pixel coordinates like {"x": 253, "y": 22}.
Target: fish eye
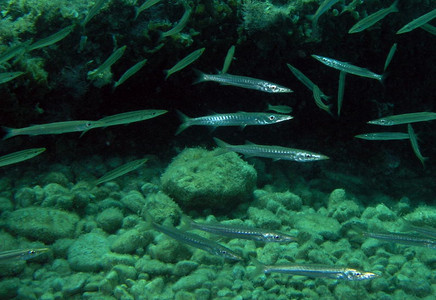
{"x": 271, "y": 118}
{"x": 276, "y": 237}
{"x": 88, "y": 124}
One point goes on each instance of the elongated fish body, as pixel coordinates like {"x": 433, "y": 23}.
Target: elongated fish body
{"x": 184, "y": 62}
{"x": 130, "y": 72}
{"x": 232, "y": 119}
{"x": 418, "y": 22}
{"x": 8, "y": 76}
{"x": 415, "y": 146}
{"x": 424, "y": 230}
{"x": 401, "y": 238}
{"x": 283, "y": 109}
{"x": 373, "y": 18}
{"x": 52, "y": 39}
{"x": 274, "y": 152}
{"x": 383, "y": 136}
{"x": 52, "y": 128}
{"x": 19, "y": 156}
{"x": 124, "y": 169}
{"x": 240, "y": 232}
{"x": 243, "y": 82}
{"x": 404, "y": 119}
{"x": 144, "y": 6}
{"x": 197, "y": 242}
{"x": 131, "y": 117}
{"x": 305, "y": 80}
{"x": 317, "y": 271}
{"x": 348, "y": 68}
{"x": 21, "y": 254}
{"x": 390, "y": 56}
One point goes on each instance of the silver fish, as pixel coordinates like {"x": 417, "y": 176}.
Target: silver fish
{"x": 52, "y": 39}
{"x": 228, "y": 60}
{"x": 8, "y": 76}
{"x": 404, "y": 118}
{"x": 130, "y": 117}
{"x": 239, "y": 232}
{"x": 400, "y": 238}
{"x": 107, "y": 64}
{"x": 52, "y": 128}
{"x": 317, "y": 271}
{"x": 418, "y": 22}
{"x": 383, "y": 136}
{"x": 414, "y": 143}
{"x": 243, "y": 82}
{"x": 348, "y": 68}
{"x": 232, "y": 119}
{"x": 124, "y": 169}
{"x": 93, "y": 11}
{"x": 21, "y": 254}
{"x": 19, "y": 156}
{"x": 184, "y": 62}
{"x": 194, "y": 240}
{"x": 373, "y": 18}
{"x": 283, "y": 109}
{"x": 130, "y": 72}
{"x": 390, "y": 56}
{"x": 305, "y": 80}
{"x": 181, "y": 24}
{"x": 274, "y": 152}
{"x": 144, "y": 6}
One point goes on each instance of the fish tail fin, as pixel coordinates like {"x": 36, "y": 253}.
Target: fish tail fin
{"x": 201, "y": 77}
{"x": 10, "y": 132}
{"x": 167, "y": 74}
{"x": 148, "y": 219}
{"x": 260, "y": 268}
{"x": 185, "y": 223}
{"x": 186, "y": 122}
{"x": 136, "y": 13}
{"x": 394, "y": 6}
{"x": 221, "y": 143}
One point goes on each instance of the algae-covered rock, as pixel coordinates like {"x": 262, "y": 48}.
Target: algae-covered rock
{"x": 87, "y": 252}
{"x": 131, "y": 240}
{"x": 264, "y": 218}
{"x": 209, "y": 179}
{"x": 44, "y": 224}
{"x": 162, "y": 207}
{"x": 326, "y": 227}
{"x": 110, "y": 219}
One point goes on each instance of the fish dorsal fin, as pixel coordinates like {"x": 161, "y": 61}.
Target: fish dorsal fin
{"x": 249, "y": 143}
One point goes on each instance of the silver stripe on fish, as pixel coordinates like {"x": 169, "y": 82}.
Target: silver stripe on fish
{"x": 312, "y": 270}
{"x": 19, "y": 156}
{"x": 240, "y": 232}
{"x": 241, "y": 119}
{"x": 243, "y": 82}
{"x": 348, "y": 68}
{"x": 274, "y": 152}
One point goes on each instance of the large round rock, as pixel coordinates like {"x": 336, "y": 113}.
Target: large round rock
{"x": 200, "y": 179}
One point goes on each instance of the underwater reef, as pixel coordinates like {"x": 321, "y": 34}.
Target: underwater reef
{"x": 103, "y": 197}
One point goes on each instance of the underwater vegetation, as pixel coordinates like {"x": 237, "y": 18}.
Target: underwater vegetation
{"x": 123, "y": 168}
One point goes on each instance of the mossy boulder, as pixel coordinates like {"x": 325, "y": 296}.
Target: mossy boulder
{"x": 200, "y": 179}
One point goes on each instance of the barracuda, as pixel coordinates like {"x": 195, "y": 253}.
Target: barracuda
{"x": 243, "y": 82}
{"x": 232, "y": 119}
{"x": 316, "y": 271}
{"x": 274, "y": 152}
{"x": 240, "y": 232}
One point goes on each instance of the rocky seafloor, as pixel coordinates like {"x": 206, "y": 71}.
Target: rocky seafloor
{"x": 101, "y": 247}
